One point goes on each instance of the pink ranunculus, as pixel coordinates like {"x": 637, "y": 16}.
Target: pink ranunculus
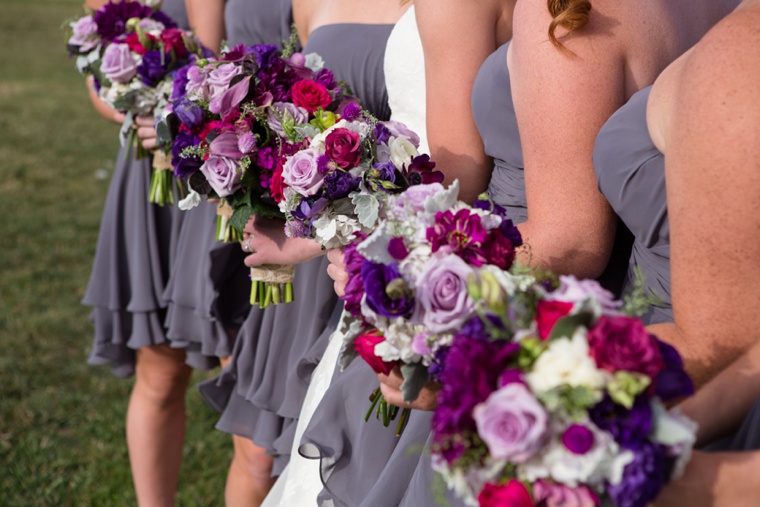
{"x": 85, "y": 34}
{"x": 222, "y": 175}
{"x": 553, "y": 494}
{"x": 301, "y": 173}
{"x": 365, "y": 347}
{"x": 623, "y": 343}
{"x": 548, "y": 313}
{"x": 219, "y": 78}
{"x": 512, "y": 494}
{"x": 279, "y": 111}
{"x": 344, "y": 148}
{"x": 443, "y": 303}
{"x": 310, "y": 95}
{"x": 118, "y": 65}
{"x": 512, "y": 423}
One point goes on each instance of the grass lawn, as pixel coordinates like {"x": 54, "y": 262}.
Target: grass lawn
{"x": 62, "y": 421}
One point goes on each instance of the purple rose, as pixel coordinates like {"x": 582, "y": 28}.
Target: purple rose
{"x": 578, "y": 439}
{"x": 512, "y": 423}
{"x": 118, "y": 65}
{"x": 222, "y": 175}
{"x": 85, "y": 35}
{"x": 442, "y": 300}
{"x": 344, "y": 148}
{"x": 153, "y": 68}
{"x": 552, "y": 494}
{"x": 643, "y": 478}
{"x": 219, "y": 78}
{"x": 285, "y": 111}
{"x": 398, "y": 129}
{"x": 387, "y": 292}
{"x": 339, "y": 184}
{"x": 300, "y": 172}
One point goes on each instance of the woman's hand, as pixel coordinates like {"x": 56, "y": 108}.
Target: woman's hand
{"x": 337, "y": 271}
{"x": 146, "y": 131}
{"x": 265, "y": 240}
{"x": 390, "y": 385}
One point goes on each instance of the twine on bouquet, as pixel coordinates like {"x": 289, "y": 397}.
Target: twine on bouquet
{"x": 162, "y": 180}
{"x": 224, "y": 231}
{"x": 272, "y": 284}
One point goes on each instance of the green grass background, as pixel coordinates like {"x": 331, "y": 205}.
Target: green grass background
{"x": 62, "y": 421}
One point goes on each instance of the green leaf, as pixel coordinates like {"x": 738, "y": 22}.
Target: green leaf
{"x": 566, "y": 326}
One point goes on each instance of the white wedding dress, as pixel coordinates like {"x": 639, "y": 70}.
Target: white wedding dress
{"x": 404, "y": 67}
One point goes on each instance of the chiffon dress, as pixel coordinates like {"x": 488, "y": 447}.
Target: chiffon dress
{"x": 261, "y": 394}
{"x": 630, "y": 171}
{"x": 363, "y": 463}
{"x": 136, "y": 245}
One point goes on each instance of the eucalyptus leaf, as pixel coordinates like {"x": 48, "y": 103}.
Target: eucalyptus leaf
{"x": 415, "y": 377}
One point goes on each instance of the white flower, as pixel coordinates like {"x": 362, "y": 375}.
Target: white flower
{"x": 566, "y": 361}
{"x": 402, "y": 151}
{"x": 192, "y": 200}
{"x": 675, "y": 430}
{"x": 335, "y": 231}
{"x": 314, "y": 62}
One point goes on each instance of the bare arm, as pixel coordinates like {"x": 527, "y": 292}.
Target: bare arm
{"x": 206, "y": 19}
{"x": 712, "y": 169}
{"x": 561, "y": 102}
{"x": 450, "y": 70}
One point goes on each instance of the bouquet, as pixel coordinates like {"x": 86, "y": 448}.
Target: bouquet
{"x": 241, "y": 116}
{"x": 130, "y": 50}
{"x": 554, "y": 396}
{"x": 336, "y": 187}
{"x": 407, "y": 293}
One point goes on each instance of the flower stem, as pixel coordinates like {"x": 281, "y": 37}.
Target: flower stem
{"x": 374, "y": 398}
{"x": 289, "y": 292}
{"x": 402, "y": 421}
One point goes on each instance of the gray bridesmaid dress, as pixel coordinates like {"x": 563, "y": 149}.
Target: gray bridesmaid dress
{"x": 361, "y": 463}
{"x": 136, "y": 244}
{"x": 631, "y": 175}
{"x": 209, "y": 287}
{"x": 261, "y": 393}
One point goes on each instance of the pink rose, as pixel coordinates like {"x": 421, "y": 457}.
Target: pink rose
{"x": 622, "y": 343}
{"x": 548, "y": 313}
{"x": 118, "y": 65}
{"x": 300, "y": 172}
{"x": 512, "y": 423}
{"x": 443, "y": 303}
{"x": 559, "y": 495}
{"x": 365, "y": 347}
{"x": 310, "y": 95}
{"x": 222, "y": 175}
{"x": 512, "y": 494}
{"x": 344, "y": 148}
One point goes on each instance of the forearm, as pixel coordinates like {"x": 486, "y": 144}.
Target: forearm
{"x": 206, "y": 18}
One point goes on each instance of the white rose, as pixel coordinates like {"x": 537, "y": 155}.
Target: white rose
{"x": 566, "y": 361}
{"x": 402, "y": 151}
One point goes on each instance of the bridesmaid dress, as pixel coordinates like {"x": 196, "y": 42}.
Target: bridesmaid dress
{"x": 277, "y": 350}
{"x": 630, "y": 171}
{"x": 136, "y": 244}
{"x": 364, "y": 463}
{"x": 209, "y": 287}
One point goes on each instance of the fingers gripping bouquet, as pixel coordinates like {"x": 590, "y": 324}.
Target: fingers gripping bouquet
{"x": 337, "y": 186}
{"x": 553, "y": 396}
{"x": 131, "y": 51}
{"x": 407, "y": 293}
{"x": 241, "y": 115}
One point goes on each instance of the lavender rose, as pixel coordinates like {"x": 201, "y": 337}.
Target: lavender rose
{"x": 300, "y": 172}
{"x": 512, "y": 423}
{"x": 222, "y": 175}
{"x": 398, "y": 129}
{"x": 85, "y": 35}
{"x": 442, "y": 300}
{"x": 118, "y": 64}
{"x": 285, "y": 111}
{"x": 219, "y": 78}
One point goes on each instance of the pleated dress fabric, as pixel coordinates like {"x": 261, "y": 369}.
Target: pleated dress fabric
{"x": 136, "y": 244}
{"x": 260, "y": 395}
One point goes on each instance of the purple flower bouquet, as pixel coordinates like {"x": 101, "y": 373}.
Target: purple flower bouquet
{"x": 407, "y": 293}
{"x": 337, "y": 186}
{"x": 234, "y": 121}
{"x": 130, "y": 50}
{"x": 554, "y": 397}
